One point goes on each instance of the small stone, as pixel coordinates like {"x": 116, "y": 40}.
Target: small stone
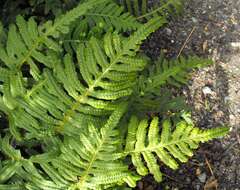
{"x": 197, "y": 187}
{"x": 206, "y": 90}
{"x": 231, "y": 117}
{"x": 168, "y": 31}
{"x": 202, "y": 178}
{"x": 227, "y": 99}
{"x": 194, "y": 20}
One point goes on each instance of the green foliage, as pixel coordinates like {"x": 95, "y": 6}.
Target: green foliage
{"x": 175, "y": 72}
{"x": 144, "y": 142}
{"x": 143, "y": 10}
{"x": 68, "y": 87}
{"x": 61, "y": 102}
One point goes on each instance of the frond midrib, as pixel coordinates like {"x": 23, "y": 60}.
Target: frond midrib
{"x": 83, "y": 178}
{"x": 36, "y": 44}
{"x": 197, "y": 138}
{"x": 81, "y": 99}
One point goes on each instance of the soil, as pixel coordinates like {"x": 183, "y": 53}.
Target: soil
{"x": 213, "y": 92}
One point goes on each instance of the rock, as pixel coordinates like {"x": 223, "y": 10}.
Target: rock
{"x": 198, "y": 187}
{"x": 227, "y": 99}
{"x": 206, "y": 90}
{"x": 168, "y": 31}
{"x": 194, "y": 20}
{"x": 202, "y": 177}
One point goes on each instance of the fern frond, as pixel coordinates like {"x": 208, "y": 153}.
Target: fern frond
{"x": 110, "y": 15}
{"x": 26, "y": 43}
{"x": 60, "y": 102}
{"x": 85, "y": 161}
{"x": 142, "y": 10}
{"x": 159, "y": 101}
{"x": 174, "y": 72}
{"x": 151, "y": 95}
{"x": 145, "y": 143}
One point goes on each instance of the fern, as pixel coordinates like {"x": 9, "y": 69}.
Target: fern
{"x": 105, "y": 66}
{"x": 68, "y": 106}
{"x": 163, "y": 8}
{"x": 109, "y": 15}
{"x": 87, "y": 161}
{"x": 146, "y": 141}
{"x": 104, "y": 18}
{"x": 151, "y": 93}
{"x": 174, "y": 72}
{"x": 84, "y": 162}
{"x": 24, "y": 45}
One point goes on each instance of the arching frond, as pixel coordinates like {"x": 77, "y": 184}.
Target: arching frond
{"x": 85, "y": 161}
{"x": 62, "y": 102}
{"x": 26, "y": 43}
{"x": 145, "y": 143}
{"x": 174, "y": 72}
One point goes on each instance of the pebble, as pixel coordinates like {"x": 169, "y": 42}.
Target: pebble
{"x": 202, "y": 177}
{"x": 194, "y": 20}
{"x": 206, "y": 90}
{"x": 168, "y": 31}
{"x": 227, "y": 99}
{"x": 198, "y": 187}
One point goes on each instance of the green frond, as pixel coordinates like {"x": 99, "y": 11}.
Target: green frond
{"x": 25, "y": 45}
{"x": 159, "y": 101}
{"x": 146, "y": 144}
{"x": 151, "y": 94}
{"x": 146, "y": 9}
{"x": 85, "y": 161}
{"x": 25, "y": 39}
{"x": 174, "y": 72}
{"x": 63, "y": 99}
{"x": 110, "y": 15}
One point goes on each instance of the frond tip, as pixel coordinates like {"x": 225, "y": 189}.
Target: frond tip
{"x": 145, "y": 143}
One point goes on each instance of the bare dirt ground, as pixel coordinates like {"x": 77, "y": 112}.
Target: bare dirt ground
{"x": 214, "y": 92}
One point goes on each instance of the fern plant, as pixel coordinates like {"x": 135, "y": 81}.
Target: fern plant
{"x": 68, "y": 104}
